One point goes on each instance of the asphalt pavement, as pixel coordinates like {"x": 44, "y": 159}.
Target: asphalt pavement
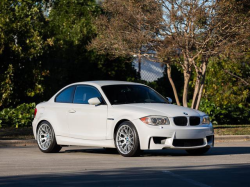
{"x": 228, "y": 164}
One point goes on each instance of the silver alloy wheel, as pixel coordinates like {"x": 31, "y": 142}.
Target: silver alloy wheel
{"x": 44, "y": 136}
{"x": 125, "y": 139}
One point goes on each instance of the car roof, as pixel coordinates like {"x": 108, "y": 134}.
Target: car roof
{"x": 107, "y": 82}
{"x": 97, "y": 84}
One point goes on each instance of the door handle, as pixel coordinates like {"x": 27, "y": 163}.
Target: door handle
{"x": 72, "y": 111}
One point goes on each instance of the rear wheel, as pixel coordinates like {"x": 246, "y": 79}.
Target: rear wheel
{"x": 127, "y": 140}
{"x": 46, "y": 138}
{"x": 199, "y": 151}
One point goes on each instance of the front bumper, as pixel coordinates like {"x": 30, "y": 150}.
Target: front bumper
{"x": 174, "y": 137}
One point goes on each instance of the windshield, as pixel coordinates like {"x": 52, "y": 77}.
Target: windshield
{"x": 127, "y": 94}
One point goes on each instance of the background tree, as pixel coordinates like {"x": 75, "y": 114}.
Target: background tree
{"x": 43, "y": 48}
{"x": 187, "y": 33}
{"x": 226, "y": 97}
{"x": 127, "y": 29}
{"x": 22, "y": 41}
{"x": 6, "y": 86}
{"x": 67, "y": 60}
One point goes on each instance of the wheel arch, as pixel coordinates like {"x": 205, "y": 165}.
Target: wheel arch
{"x": 47, "y": 120}
{"x": 121, "y": 121}
{"x": 43, "y": 120}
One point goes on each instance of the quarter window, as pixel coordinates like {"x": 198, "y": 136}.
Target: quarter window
{"x": 84, "y": 93}
{"x": 66, "y": 96}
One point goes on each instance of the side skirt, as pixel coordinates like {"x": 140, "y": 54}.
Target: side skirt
{"x": 61, "y": 140}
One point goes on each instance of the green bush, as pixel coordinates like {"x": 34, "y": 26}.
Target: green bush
{"x": 226, "y": 114}
{"x": 20, "y": 116}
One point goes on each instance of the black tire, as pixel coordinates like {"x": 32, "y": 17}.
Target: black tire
{"x": 135, "y": 149}
{"x": 52, "y": 146}
{"x": 199, "y": 151}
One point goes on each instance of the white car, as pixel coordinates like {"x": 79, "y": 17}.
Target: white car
{"x": 124, "y": 115}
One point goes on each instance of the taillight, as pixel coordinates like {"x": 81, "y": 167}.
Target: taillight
{"x": 35, "y": 112}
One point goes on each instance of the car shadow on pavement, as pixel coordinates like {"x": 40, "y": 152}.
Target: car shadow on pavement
{"x": 203, "y": 175}
{"x": 92, "y": 151}
{"x": 167, "y": 152}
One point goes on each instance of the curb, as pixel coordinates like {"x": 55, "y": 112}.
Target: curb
{"x": 232, "y": 138}
{"x": 32, "y": 142}
{"x": 16, "y": 143}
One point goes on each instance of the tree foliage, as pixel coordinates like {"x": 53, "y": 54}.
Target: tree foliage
{"x": 187, "y": 33}
{"x": 47, "y": 44}
{"x": 21, "y": 116}
{"x": 22, "y": 41}
{"x": 127, "y": 28}
{"x": 44, "y": 43}
{"x": 6, "y": 86}
{"x": 226, "y": 94}
{"x": 68, "y": 60}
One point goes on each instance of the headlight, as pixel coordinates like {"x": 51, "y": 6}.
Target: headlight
{"x": 155, "y": 120}
{"x": 205, "y": 120}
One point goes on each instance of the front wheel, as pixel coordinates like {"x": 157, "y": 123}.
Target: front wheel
{"x": 46, "y": 138}
{"x": 199, "y": 151}
{"x": 127, "y": 140}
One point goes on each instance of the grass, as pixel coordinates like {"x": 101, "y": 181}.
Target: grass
{"x": 26, "y": 132}
{"x": 232, "y": 129}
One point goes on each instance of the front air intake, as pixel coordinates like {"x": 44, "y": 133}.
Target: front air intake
{"x": 187, "y": 142}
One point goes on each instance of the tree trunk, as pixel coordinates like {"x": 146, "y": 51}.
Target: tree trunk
{"x": 172, "y": 84}
{"x": 204, "y": 68}
{"x": 187, "y": 75}
{"x": 199, "y": 97}
{"x": 139, "y": 65}
{"x": 196, "y": 91}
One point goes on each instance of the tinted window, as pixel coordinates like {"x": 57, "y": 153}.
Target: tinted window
{"x": 125, "y": 94}
{"x": 66, "y": 96}
{"x": 84, "y": 93}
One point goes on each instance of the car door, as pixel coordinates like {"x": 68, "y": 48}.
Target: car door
{"x": 60, "y": 108}
{"x": 87, "y": 121}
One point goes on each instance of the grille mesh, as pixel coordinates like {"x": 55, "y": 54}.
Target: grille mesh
{"x": 180, "y": 121}
{"x": 194, "y": 120}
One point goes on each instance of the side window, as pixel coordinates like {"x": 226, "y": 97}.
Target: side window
{"x": 66, "y": 96}
{"x": 84, "y": 93}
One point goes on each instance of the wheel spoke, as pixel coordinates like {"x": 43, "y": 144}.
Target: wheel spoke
{"x": 41, "y": 132}
{"x": 122, "y": 134}
{"x": 132, "y": 143}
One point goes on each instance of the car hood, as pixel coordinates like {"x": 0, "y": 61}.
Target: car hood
{"x": 169, "y": 110}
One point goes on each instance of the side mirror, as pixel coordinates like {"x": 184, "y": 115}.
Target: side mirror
{"x": 94, "y": 101}
{"x": 169, "y": 100}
